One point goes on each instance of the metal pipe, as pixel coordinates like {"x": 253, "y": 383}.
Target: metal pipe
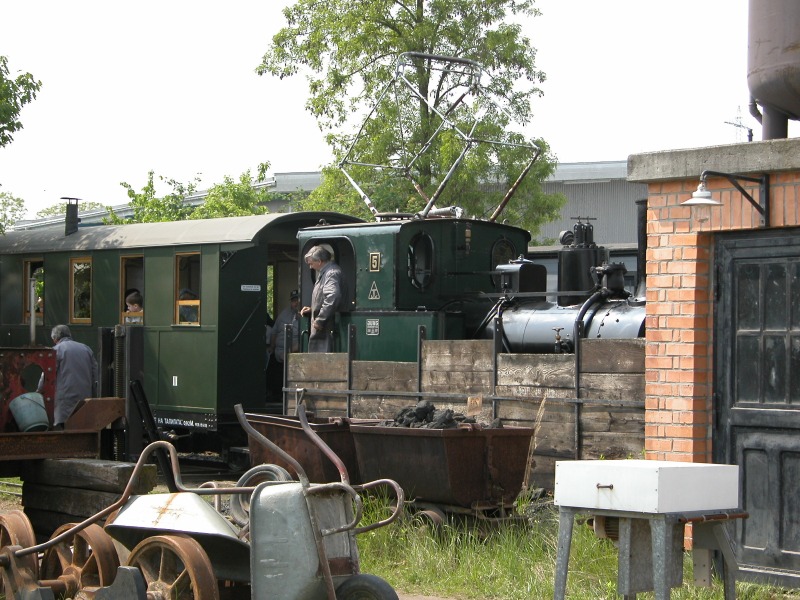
{"x": 319, "y": 442}
{"x": 32, "y": 310}
{"x": 510, "y": 193}
{"x": 641, "y": 250}
{"x": 578, "y": 331}
{"x": 462, "y": 397}
{"x": 775, "y": 124}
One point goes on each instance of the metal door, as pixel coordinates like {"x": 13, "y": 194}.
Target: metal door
{"x": 757, "y": 395}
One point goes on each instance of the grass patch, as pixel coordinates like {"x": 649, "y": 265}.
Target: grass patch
{"x": 508, "y": 561}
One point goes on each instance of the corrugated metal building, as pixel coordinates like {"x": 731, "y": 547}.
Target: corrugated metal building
{"x": 598, "y": 190}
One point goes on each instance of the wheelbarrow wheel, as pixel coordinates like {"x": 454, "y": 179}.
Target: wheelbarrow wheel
{"x": 240, "y": 503}
{"x": 365, "y": 587}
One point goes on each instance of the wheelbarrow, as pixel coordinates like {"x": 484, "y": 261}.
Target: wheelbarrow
{"x": 298, "y": 543}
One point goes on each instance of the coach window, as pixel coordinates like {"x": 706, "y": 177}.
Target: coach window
{"x": 187, "y": 289}
{"x": 33, "y": 290}
{"x": 80, "y": 290}
{"x": 131, "y": 279}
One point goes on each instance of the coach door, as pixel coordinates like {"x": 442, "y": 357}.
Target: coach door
{"x": 757, "y": 392}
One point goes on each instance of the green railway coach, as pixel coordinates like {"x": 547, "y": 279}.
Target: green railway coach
{"x": 209, "y": 288}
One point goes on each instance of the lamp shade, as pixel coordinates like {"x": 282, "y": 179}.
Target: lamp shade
{"x": 701, "y": 197}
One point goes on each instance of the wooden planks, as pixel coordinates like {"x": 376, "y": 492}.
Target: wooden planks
{"x": 604, "y": 418}
{"x": 59, "y": 491}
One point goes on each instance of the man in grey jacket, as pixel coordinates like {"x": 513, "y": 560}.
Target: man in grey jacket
{"x": 76, "y": 374}
{"x": 325, "y": 298}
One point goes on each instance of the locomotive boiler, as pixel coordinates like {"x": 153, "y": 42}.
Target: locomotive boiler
{"x": 593, "y": 300}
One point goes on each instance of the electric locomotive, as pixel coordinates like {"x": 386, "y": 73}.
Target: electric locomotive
{"x": 440, "y": 274}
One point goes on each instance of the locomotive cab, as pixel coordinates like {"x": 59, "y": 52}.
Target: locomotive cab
{"x": 400, "y": 275}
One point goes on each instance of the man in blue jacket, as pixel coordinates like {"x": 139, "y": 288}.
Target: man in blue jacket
{"x": 76, "y": 374}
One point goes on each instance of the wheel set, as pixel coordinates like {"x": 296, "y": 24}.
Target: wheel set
{"x": 172, "y": 567}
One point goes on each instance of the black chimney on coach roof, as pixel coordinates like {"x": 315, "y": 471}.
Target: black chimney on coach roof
{"x": 71, "y": 220}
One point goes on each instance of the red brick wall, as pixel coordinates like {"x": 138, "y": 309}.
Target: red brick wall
{"x": 679, "y": 305}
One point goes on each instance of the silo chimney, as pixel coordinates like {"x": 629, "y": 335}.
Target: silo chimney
{"x": 773, "y": 64}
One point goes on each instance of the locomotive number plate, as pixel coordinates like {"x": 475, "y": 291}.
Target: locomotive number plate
{"x": 374, "y": 261}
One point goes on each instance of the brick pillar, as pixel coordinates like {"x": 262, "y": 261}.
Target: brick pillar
{"x": 678, "y": 352}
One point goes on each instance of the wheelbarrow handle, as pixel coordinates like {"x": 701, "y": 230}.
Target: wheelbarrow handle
{"x": 398, "y": 509}
{"x": 324, "y": 489}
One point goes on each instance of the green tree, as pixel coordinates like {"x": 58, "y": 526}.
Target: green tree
{"x": 60, "y": 208}
{"x": 234, "y": 199}
{"x": 15, "y": 93}
{"x": 348, "y": 50}
{"x": 227, "y": 199}
{"x": 11, "y": 210}
{"x": 149, "y": 207}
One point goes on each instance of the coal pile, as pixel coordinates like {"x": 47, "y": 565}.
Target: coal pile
{"x": 426, "y": 416}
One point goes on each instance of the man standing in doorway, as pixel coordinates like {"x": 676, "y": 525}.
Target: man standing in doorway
{"x": 288, "y": 316}
{"x": 76, "y": 374}
{"x": 325, "y": 298}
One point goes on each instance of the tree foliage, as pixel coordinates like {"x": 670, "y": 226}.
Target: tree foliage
{"x": 15, "y": 92}
{"x": 149, "y": 207}
{"x": 12, "y": 209}
{"x": 230, "y": 198}
{"x": 233, "y": 199}
{"x": 60, "y": 208}
{"x": 349, "y": 50}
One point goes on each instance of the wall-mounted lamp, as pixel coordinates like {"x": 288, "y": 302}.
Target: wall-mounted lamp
{"x": 702, "y": 196}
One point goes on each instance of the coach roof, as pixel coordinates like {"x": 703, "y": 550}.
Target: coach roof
{"x": 230, "y": 230}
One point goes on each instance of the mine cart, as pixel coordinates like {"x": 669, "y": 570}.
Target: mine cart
{"x": 468, "y": 470}
{"x": 291, "y": 540}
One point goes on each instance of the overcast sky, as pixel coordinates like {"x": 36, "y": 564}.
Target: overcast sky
{"x": 171, "y": 87}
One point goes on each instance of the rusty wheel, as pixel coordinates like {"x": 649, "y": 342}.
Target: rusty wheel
{"x": 16, "y": 530}
{"x": 175, "y": 567}
{"x": 432, "y": 517}
{"x": 88, "y": 559}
